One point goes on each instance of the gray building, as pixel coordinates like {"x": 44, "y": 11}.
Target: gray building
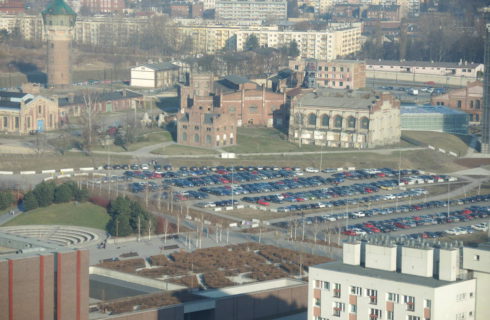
{"x": 251, "y": 10}
{"x": 433, "y": 118}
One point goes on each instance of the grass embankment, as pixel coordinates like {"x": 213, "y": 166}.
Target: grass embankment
{"x": 183, "y": 150}
{"x": 448, "y": 142}
{"x": 83, "y": 214}
{"x": 146, "y": 139}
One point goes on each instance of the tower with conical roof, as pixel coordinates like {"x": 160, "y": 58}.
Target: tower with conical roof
{"x": 59, "y": 21}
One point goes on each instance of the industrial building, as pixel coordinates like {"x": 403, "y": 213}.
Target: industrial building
{"x": 155, "y": 75}
{"x": 383, "y": 278}
{"x": 344, "y": 119}
{"x": 433, "y": 118}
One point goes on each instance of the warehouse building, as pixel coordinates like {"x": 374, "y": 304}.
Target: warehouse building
{"x": 433, "y": 118}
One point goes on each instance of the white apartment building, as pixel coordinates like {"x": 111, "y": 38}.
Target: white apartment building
{"x": 251, "y": 10}
{"x": 379, "y": 279}
{"x": 477, "y": 262}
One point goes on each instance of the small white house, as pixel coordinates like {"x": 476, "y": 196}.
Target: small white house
{"x": 155, "y": 75}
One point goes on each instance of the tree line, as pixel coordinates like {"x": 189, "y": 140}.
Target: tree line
{"x": 47, "y": 193}
{"x": 6, "y": 199}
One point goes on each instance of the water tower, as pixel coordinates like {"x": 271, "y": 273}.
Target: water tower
{"x": 59, "y": 21}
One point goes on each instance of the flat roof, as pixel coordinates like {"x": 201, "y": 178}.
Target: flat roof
{"x": 338, "y": 98}
{"x": 251, "y": 287}
{"x": 31, "y": 246}
{"x": 429, "y": 109}
{"x": 383, "y": 275}
{"x": 422, "y": 64}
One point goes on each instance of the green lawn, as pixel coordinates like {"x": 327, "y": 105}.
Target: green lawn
{"x": 176, "y": 149}
{"x": 83, "y": 214}
{"x": 259, "y": 140}
{"x": 446, "y": 141}
{"x": 146, "y": 139}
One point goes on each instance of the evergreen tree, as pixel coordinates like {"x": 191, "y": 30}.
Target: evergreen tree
{"x": 63, "y": 193}
{"x": 293, "y": 50}
{"x": 30, "y": 201}
{"x": 252, "y": 42}
{"x": 44, "y": 193}
{"x": 6, "y": 199}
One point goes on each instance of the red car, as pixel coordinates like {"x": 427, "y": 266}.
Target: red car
{"x": 263, "y": 202}
{"x": 349, "y": 233}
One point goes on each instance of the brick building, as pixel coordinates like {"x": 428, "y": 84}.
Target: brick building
{"x": 204, "y": 126}
{"x": 248, "y": 103}
{"x": 12, "y": 7}
{"x": 468, "y": 99}
{"x": 337, "y": 74}
{"x": 73, "y": 105}
{"x": 42, "y": 281}
{"x": 380, "y": 12}
{"x": 340, "y": 118}
{"x": 21, "y": 113}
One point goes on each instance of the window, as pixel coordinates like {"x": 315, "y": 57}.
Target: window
{"x": 356, "y": 291}
{"x": 17, "y": 121}
{"x": 184, "y": 136}
{"x": 338, "y": 122}
{"x": 459, "y": 104}
{"x": 471, "y": 104}
{"x": 427, "y": 303}
{"x": 341, "y": 84}
{"x": 375, "y": 314}
{"x": 460, "y": 296}
{"x": 318, "y": 302}
{"x": 325, "y": 121}
{"x": 298, "y": 118}
{"x": 50, "y": 121}
{"x": 253, "y": 109}
{"x": 337, "y": 290}
{"x": 196, "y": 127}
{"x": 394, "y": 297}
{"x": 338, "y": 307}
{"x": 460, "y": 316}
{"x": 413, "y": 318}
{"x": 208, "y": 139}
{"x": 410, "y": 302}
{"x": 39, "y": 109}
{"x": 365, "y": 123}
{"x": 390, "y": 315}
{"x": 373, "y": 296}
{"x": 5, "y": 122}
{"x": 208, "y": 129}
{"x": 28, "y": 122}
{"x": 353, "y": 308}
{"x": 477, "y": 104}
{"x": 322, "y": 285}
{"x": 351, "y": 122}
{"x": 312, "y": 119}
{"x": 184, "y": 126}
{"x": 477, "y": 117}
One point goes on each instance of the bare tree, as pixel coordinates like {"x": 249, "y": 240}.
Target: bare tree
{"x": 88, "y": 115}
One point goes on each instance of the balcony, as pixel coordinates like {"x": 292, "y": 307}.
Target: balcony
{"x": 373, "y": 299}
{"x": 336, "y": 293}
{"x": 373, "y": 316}
{"x": 336, "y": 312}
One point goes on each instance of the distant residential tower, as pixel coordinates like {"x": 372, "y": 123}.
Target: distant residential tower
{"x": 59, "y": 21}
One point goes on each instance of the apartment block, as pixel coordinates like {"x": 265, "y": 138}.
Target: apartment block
{"x": 380, "y": 278}
{"x": 337, "y": 74}
{"x": 251, "y": 10}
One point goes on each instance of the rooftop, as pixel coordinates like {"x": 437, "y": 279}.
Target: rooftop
{"x": 429, "y": 109}
{"x": 29, "y": 246}
{"x": 422, "y": 64}
{"x": 59, "y": 7}
{"x": 382, "y": 274}
{"x": 249, "y": 288}
{"x": 100, "y": 97}
{"x": 336, "y": 98}
{"x": 161, "y": 66}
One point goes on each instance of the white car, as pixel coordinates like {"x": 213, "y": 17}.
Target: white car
{"x": 480, "y": 227}
{"x": 312, "y": 170}
{"x": 145, "y": 166}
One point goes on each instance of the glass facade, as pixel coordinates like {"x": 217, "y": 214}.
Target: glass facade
{"x": 433, "y": 118}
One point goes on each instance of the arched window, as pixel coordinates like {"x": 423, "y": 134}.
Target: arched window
{"x": 325, "y": 121}
{"x": 312, "y": 119}
{"x": 184, "y": 136}
{"x": 208, "y": 139}
{"x": 351, "y": 122}
{"x": 298, "y": 118}
{"x": 196, "y": 138}
{"x": 338, "y": 122}
{"x": 365, "y": 123}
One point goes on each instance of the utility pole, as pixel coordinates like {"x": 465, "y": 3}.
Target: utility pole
{"x": 139, "y": 228}
{"x": 149, "y": 230}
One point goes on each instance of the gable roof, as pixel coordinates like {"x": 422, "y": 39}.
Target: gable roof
{"x": 58, "y": 7}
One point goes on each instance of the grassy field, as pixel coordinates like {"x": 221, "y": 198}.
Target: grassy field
{"x": 56, "y": 161}
{"x": 146, "y": 139}
{"x": 83, "y": 214}
{"x": 445, "y": 141}
{"x": 176, "y": 149}
{"x": 258, "y": 140}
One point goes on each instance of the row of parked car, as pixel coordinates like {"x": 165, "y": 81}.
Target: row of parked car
{"x": 389, "y": 225}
